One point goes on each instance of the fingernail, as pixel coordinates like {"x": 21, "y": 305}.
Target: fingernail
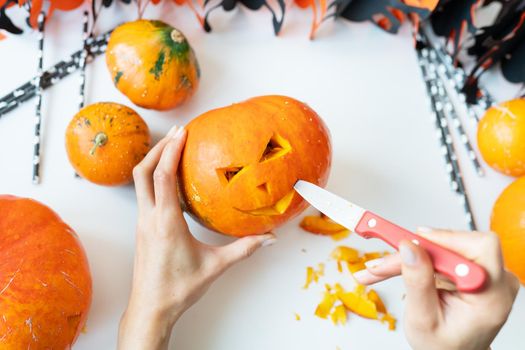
{"x": 362, "y": 275}
{"x": 268, "y": 242}
{"x": 424, "y": 229}
{"x": 173, "y": 130}
{"x": 407, "y": 255}
{"x": 179, "y": 132}
{"x": 373, "y": 263}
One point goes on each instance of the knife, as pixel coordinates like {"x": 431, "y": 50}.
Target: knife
{"x": 467, "y": 275}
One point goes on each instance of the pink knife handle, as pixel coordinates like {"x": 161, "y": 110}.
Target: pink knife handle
{"x": 468, "y": 276}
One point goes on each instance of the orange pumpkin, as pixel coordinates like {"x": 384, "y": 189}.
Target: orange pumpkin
{"x": 105, "y": 141}
{"x": 501, "y": 137}
{"x": 240, "y": 163}
{"x": 152, "y": 64}
{"x": 508, "y": 221}
{"x": 45, "y": 283}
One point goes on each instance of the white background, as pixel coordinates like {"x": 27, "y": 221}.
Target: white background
{"x": 366, "y": 85}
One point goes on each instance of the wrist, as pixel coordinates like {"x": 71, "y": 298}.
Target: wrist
{"x": 145, "y": 327}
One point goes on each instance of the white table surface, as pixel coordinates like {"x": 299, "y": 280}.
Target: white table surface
{"x": 363, "y": 82}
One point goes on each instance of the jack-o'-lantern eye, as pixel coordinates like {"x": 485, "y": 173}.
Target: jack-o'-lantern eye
{"x": 226, "y": 175}
{"x": 277, "y": 146}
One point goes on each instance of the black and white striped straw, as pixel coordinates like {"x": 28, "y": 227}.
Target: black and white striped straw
{"x": 38, "y": 88}
{"x": 444, "y": 131}
{"x": 96, "y": 46}
{"x": 82, "y": 64}
{"x": 451, "y": 112}
{"x": 456, "y": 75}
{"x": 83, "y": 59}
{"x": 441, "y": 138}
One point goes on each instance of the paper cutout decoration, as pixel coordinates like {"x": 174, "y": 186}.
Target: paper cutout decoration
{"x": 5, "y": 22}
{"x": 452, "y": 18}
{"x": 388, "y": 14}
{"x": 503, "y": 42}
{"x": 228, "y": 5}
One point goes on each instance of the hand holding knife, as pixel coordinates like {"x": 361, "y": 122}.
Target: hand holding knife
{"x": 467, "y": 275}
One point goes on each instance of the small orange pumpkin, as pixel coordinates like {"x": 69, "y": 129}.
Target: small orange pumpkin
{"x": 45, "y": 282}
{"x": 152, "y": 64}
{"x": 508, "y": 221}
{"x": 240, "y": 163}
{"x": 501, "y": 137}
{"x": 104, "y": 142}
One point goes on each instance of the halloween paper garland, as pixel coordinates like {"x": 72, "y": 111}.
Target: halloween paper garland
{"x": 502, "y": 42}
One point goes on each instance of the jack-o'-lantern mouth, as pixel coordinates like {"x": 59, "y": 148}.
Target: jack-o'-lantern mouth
{"x": 278, "y": 208}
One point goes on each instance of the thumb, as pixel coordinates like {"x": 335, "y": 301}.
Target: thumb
{"x": 422, "y": 300}
{"x": 244, "y": 247}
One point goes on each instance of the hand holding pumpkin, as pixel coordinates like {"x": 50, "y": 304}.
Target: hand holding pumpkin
{"x": 437, "y": 318}
{"x": 172, "y": 270}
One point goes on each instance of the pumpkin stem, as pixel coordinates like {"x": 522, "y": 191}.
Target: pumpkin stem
{"x": 177, "y": 36}
{"x": 100, "y": 140}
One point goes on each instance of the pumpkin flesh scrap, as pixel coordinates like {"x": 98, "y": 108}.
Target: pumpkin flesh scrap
{"x": 312, "y": 275}
{"x": 361, "y": 301}
{"x": 325, "y": 306}
{"x": 322, "y": 225}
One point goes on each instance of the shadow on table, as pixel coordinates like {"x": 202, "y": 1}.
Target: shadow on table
{"x": 111, "y": 268}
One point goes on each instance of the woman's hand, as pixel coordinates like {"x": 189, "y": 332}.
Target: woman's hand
{"x": 437, "y": 316}
{"x": 172, "y": 270}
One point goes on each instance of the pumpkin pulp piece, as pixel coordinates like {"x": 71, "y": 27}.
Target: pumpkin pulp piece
{"x": 359, "y": 305}
{"x": 100, "y": 140}
{"x": 322, "y": 226}
{"x": 325, "y": 306}
{"x": 343, "y": 253}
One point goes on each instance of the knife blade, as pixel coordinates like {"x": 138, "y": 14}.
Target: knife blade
{"x": 467, "y": 275}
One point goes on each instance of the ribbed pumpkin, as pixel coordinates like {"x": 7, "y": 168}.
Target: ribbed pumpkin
{"x": 104, "y": 142}
{"x": 501, "y": 137}
{"x": 508, "y": 221}
{"x": 45, "y": 283}
{"x": 152, "y": 64}
{"x": 240, "y": 163}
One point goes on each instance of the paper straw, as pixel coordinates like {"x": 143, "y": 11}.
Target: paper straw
{"x": 52, "y": 76}
{"x": 451, "y": 112}
{"x": 443, "y": 130}
{"x": 38, "y": 88}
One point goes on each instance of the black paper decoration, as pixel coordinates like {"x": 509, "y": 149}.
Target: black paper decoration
{"x": 366, "y": 10}
{"x": 502, "y": 42}
{"x": 5, "y": 22}
{"x": 229, "y": 5}
{"x": 452, "y": 17}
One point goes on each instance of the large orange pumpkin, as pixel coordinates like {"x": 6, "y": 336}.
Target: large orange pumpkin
{"x": 240, "y": 163}
{"x": 501, "y": 137}
{"x": 152, "y": 64}
{"x": 45, "y": 283}
{"x": 508, "y": 221}
{"x": 104, "y": 142}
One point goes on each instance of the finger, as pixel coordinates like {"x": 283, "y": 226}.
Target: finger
{"x": 165, "y": 175}
{"x": 422, "y": 301}
{"x": 143, "y": 172}
{"x": 443, "y": 283}
{"x": 480, "y": 247}
{"x": 243, "y": 248}
{"x": 378, "y": 270}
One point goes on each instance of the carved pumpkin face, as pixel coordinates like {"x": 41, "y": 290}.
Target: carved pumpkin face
{"x": 240, "y": 163}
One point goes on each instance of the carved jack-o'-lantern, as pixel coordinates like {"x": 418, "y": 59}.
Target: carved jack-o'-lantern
{"x": 240, "y": 163}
